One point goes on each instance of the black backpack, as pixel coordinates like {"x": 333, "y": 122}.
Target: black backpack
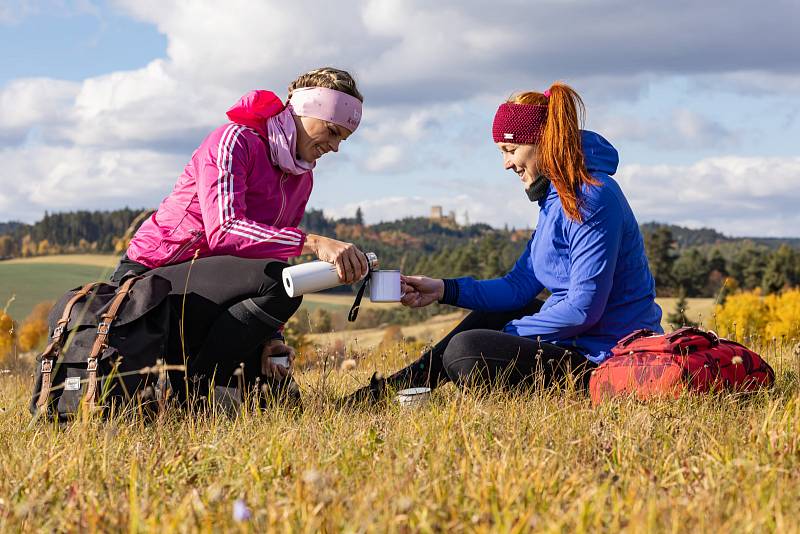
{"x": 105, "y": 344}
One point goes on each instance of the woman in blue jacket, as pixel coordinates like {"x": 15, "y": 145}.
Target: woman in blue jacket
{"x": 587, "y": 251}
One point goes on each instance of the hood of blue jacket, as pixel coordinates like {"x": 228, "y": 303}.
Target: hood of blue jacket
{"x": 599, "y": 156}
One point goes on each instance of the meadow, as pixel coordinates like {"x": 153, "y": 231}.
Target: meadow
{"x": 468, "y": 461}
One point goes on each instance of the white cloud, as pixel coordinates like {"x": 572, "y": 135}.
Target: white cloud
{"x": 736, "y": 195}
{"x": 37, "y": 178}
{"x": 34, "y": 102}
{"x": 427, "y": 71}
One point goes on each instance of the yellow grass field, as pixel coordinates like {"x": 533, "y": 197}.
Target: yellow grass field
{"x": 468, "y": 461}
{"x": 541, "y": 461}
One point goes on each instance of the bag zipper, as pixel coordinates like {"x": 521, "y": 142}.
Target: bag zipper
{"x": 283, "y": 199}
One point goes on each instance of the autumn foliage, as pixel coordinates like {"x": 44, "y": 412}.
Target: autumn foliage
{"x": 751, "y": 314}
{"x": 7, "y": 337}
{"x": 33, "y": 331}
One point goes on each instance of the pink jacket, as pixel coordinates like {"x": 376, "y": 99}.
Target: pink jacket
{"x": 230, "y": 199}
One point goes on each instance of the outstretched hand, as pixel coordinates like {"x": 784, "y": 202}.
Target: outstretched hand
{"x": 419, "y": 291}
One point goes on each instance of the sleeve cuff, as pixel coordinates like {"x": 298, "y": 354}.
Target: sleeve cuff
{"x": 450, "y": 292}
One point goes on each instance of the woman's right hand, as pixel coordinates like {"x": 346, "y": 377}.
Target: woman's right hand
{"x": 419, "y": 291}
{"x": 351, "y": 264}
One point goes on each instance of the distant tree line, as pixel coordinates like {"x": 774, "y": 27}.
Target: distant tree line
{"x": 715, "y": 269}
{"x": 67, "y": 232}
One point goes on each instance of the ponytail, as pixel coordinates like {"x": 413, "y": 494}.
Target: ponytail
{"x": 560, "y": 152}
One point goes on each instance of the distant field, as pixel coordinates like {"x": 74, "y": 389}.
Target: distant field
{"x": 697, "y": 310}
{"x": 33, "y": 280}
{"x": 94, "y": 260}
{"x": 429, "y": 331}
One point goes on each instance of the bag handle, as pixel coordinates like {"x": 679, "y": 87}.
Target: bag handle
{"x": 101, "y": 340}
{"x": 633, "y": 336}
{"x": 693, "y": 330}
{"x": 53, "y": 349}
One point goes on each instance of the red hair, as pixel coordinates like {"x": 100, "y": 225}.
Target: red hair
{"x": 560, "y": 152}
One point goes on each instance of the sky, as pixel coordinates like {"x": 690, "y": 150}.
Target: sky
{"x": 103, "y": 103}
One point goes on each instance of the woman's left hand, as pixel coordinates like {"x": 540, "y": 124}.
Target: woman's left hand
{"x": 273, "y": 348}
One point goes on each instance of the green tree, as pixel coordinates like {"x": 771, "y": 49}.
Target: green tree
{"x": 781, "y": 270}
{"x": 749, "y": 264}
{"x": 690, "y": 272}
{"x": 659, "y": 246}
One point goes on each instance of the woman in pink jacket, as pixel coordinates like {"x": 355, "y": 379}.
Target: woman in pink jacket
{"x": 236, "y": 208}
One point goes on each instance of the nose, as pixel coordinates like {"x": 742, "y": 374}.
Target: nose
{"x": 507, "y": 163}
{"x": 335, "y": 145}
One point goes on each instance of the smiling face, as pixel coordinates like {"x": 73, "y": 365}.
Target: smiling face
{"x": 316, "y": 137}
{"x": 521, "y": 159}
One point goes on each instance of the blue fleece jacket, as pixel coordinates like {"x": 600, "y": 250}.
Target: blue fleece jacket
{"x": 596, "y": 271}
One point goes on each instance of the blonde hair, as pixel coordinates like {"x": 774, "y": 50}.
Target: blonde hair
{"x": 327, "y": 77}
{"x": 560, "y": 151}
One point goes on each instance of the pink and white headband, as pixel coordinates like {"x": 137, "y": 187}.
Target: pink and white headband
{"x": 327, "y": 105}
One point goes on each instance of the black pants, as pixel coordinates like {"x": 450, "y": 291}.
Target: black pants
{"x": 224, "y": 309}
{"x": 477, "y": 352}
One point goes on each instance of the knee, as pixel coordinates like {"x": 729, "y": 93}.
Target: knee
{"x": 292, "y": 305}
{"x": 459, "y": 358}
{"x": 280, "y": 305}
{"x": 276, "y": 292}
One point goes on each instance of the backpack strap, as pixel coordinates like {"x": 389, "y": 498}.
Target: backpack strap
{"x": 101, "y": 341}
{"x": 53, "y": 349}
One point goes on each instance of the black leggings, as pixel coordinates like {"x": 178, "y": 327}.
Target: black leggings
{"x": 477, "y": 352}
{"x": 224, "y": 309}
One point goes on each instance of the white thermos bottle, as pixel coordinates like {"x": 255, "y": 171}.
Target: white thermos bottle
{"x": 316, "y": 276}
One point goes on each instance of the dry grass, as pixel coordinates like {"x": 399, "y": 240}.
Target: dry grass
{"x": 369, "y": 338}
{"x": 466, "y": 462}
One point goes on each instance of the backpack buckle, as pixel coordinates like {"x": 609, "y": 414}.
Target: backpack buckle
{"x": 58, "y": 330}
{"x": 103, "y": 327}
{"x": 47, "y": 365}
{"x": 91, "y": 364}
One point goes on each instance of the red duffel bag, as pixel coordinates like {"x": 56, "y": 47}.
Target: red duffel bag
{"x": 647, "y": 365}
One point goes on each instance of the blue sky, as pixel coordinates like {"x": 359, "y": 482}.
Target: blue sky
{"x": 73, "y": 42}
{"x": 101, "y": 104}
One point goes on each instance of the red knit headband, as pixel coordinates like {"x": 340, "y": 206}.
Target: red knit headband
{"x": 521, "y": 124}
